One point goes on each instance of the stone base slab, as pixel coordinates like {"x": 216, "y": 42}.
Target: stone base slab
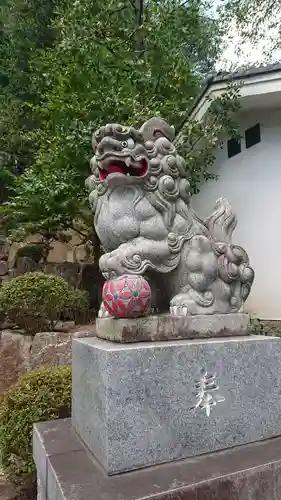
{"x": 137, "y": 405}
{"x": 67, "y": 472}
{"x": 168, "y": 327}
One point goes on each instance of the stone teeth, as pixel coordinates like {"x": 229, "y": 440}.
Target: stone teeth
{"x": 128, "y": 161}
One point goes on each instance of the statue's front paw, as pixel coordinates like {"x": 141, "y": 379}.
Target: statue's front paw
{"x": 109, "y": 265}
{"x": 123, "y": 260}
{"x": 103, "y": 312}
{"x": 191, "y": 303}
{"x": 181, "y": 305}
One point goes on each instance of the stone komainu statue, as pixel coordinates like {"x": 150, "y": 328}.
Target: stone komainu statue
{"x": 140, "y": 196}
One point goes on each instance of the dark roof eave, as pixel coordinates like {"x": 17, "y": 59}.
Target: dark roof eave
{"x": 223, "y": 76}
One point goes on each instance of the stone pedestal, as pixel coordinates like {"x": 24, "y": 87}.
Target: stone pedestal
{"x": 168, "y": 327}
{"x": 186, "y": 419}
{"x": 140, "y": 405}
{"x": 67, "y": 471}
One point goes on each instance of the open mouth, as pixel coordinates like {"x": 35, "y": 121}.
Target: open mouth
{"x": 126, "y": 167}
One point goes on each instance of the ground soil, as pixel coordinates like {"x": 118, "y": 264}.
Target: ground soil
{"x": 9, "y": 491}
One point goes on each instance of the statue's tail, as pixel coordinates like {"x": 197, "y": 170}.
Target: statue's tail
{"x": 222, "y": 222}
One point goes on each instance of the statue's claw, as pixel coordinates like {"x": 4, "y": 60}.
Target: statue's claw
{"x": 103, "y": 312}
{"x": 192, "y": 302}
{"x": 178, "y": 311}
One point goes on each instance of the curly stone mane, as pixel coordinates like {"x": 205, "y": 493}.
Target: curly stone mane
{"x": 166, "y": 185}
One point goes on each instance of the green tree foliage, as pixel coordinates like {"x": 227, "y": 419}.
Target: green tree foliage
{"x": 112, "y": 62}
{"x": 257, "y": 21}
{"x": 24, "y": 30}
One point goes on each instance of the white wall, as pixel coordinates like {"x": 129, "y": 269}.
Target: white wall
{"x": 251, "y": 181}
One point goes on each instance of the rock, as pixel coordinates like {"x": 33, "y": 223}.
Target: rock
{"x": 55, "y": 348}
{"x": 50, "y": 348}
{"x": 21, "y": 353}
{"x": 68, "y": 270}
{"x": 4, "y": 249}
{"x": 60, "y": 252}
{"x": 3, "y": 279}
{"x": 14, "y": 357}
{"x": 3, "y": 268}
{"x": 12, "y": 253}
{"x": 80, "y": 253}
{"x": 91, "y": 280}
{"x": 25, "y": 265}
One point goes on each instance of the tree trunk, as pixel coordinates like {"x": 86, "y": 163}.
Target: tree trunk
{"x": 91, "y": 279}
{"x": 138, "y": 4}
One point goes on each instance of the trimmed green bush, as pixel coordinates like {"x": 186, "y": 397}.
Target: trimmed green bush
{"x": 38, "y": 396}
{"x": 34, "y": 251}
{"x": 36, "y": 301}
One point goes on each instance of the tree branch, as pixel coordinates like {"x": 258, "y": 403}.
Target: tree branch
{"x": 139, "y": 8}
{"x": 139, "y": 11}
{"x": 115, "y": 54}
{"x": 111, "y": 12}
{"x": 133, "y": 4}
{"x": 78, "y": 231}
{"x": 157, "y": 84}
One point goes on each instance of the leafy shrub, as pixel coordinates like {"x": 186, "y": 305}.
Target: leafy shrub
{"x": 265, "y": 327}
{"x": 79, "y": 310}
{"x": 36, "y": 301}
{"x": 38, "y": 396}
{"x": 34, "y": 251}
{"x": 257, "y": 326}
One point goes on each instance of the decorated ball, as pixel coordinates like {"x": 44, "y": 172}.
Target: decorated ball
{"x": 127, "y": 297}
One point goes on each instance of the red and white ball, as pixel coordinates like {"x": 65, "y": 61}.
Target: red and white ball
{"x": 127, "y": 296}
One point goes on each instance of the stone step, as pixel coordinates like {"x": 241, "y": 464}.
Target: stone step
{"x": 67, "y": 471}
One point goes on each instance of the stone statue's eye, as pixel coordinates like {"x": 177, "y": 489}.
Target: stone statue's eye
{"x": 130, "y": 143}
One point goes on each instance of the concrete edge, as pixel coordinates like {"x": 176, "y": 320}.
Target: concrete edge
{"x": 253, "y": 470}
